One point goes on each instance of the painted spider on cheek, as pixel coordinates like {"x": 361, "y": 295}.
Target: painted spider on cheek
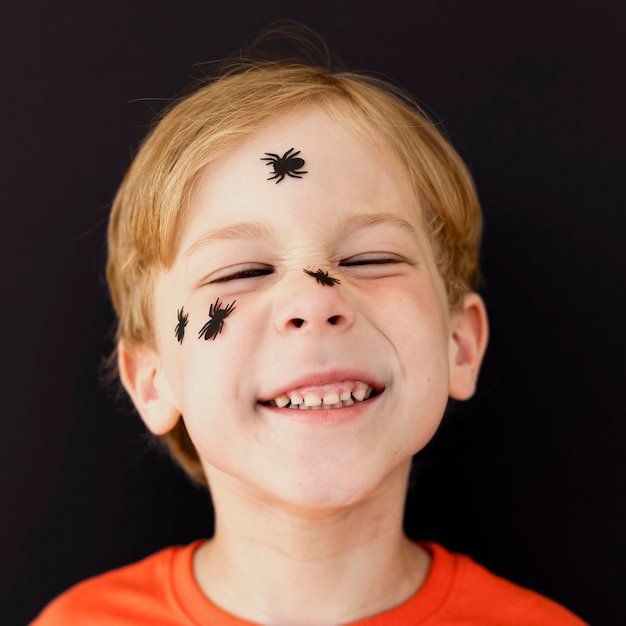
{"x": 322, "y": 278}
{"x": 183, "y": 318}
{"x": 215, "y": 325}
{"x": 286, "y": 165}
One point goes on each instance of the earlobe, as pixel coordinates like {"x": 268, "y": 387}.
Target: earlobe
{"x": 469, "y": 334}
{"x": 141, "y": 375}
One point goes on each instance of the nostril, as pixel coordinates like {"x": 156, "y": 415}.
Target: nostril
{"x": 297, "y": 322}
{"x": 333, "y": 320}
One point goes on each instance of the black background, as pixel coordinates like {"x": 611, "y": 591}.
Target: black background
{"x": 528, "y": 478}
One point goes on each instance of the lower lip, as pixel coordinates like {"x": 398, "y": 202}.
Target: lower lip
{"x": 324, "y": 416}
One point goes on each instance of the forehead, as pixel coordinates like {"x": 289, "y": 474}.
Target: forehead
{"x": 349, "y": 167}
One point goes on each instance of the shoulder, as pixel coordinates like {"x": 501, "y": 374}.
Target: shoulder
{"x": 489, "y": 599}
{"x": 123, "y": 596}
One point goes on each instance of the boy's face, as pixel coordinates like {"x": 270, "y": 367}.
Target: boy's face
{"x": 384, "y": 327}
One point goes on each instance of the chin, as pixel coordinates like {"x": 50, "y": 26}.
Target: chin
{"x": 327, "y": 490}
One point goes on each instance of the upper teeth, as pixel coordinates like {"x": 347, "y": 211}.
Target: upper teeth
{"x": 355, "y": 391}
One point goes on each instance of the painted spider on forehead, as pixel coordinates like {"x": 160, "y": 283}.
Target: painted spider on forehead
{"x": 286, "y": 165}
{"x": 183, "y": 318}
{"x": 323, "y": 278}
{"x": 215, "y": 325}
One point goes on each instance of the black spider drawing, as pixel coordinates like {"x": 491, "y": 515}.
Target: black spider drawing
{"x": 215, "y": 325}
{"x": 323, "y": 278}
{"x": 183, "y": 318}
{"x": 286, "y": 165}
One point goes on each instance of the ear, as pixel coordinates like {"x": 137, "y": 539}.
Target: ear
{"x": 143, "y": 379}
{"x": 469, "y": 333}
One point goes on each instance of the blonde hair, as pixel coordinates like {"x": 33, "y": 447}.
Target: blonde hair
{"x": 149, "y": 210}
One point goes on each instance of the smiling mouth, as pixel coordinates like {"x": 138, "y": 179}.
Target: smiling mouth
{"x": 335, "y": 396}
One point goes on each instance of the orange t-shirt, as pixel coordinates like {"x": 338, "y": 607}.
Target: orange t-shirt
{"x": 161, "y": 590}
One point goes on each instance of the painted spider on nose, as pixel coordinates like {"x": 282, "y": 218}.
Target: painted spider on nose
{"x": 183, "y": 318}
{"x": 215, "y": 325}
{"x": 286, "y": 165}
{"x": 323, "y": 278}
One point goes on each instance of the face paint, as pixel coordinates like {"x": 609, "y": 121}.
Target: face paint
{"x": 215, "y": 325}
{"x": 183, "y": 318}
{"x": 323, "y": 278}
{"x": 286, "y": 165}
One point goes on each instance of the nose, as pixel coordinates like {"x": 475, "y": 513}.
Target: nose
{"x": 305, "y": 306}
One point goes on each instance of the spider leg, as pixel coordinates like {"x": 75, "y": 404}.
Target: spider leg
{"x": 294, "y": 175}
{"x": 281, "y": 177}
{"x": 296, "y": 153}
{"x": 288, "y": 153}
{"x": 275, "y": 175}
{"x": 274, "y": 157}
{"x": 214, "y": 308}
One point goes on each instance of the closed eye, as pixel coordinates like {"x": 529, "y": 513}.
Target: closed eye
{"x": 372, "y": 259}
{"x": 253, "y": 272}
{"x": 375, "y": 265}
{"x": 370, "y": 262}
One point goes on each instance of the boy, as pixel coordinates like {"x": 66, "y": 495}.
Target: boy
{"x": 293, "y": 259}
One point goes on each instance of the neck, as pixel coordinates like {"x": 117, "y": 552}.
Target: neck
{"x": 307, "y": 567}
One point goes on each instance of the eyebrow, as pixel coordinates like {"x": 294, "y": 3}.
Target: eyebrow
{"x": 360, "y": 221}
{"x": 250, "y": 231}
{"x": 253, "y": 231}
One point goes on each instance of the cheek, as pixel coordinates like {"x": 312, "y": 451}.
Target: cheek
{"x": 411, "y": 314}
{"x": 417, "y": 328}
{"x": 207, "y": 369}
{"x": 214, "y": 390}
{"x": 215, "y": 378}
{"x": 208, "y": 396}
{"x": 194, "y": 369}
